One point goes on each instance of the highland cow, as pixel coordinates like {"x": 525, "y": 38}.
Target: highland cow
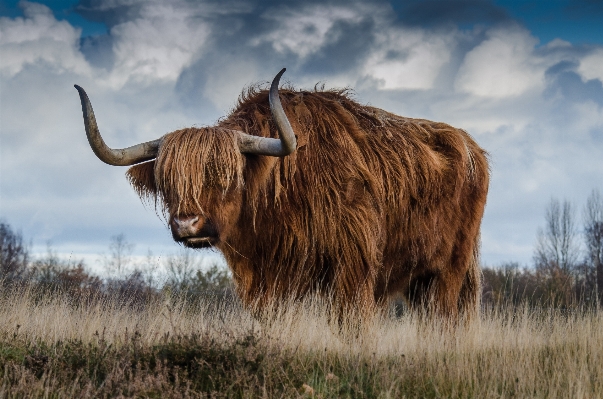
{"x": 322, "y": 195}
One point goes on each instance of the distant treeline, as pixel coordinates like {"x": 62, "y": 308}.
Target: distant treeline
{"x": 134, "y": 283}
{"x": 567, "y": 269}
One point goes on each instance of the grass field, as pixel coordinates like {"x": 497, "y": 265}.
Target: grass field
{"x": 50, "y": 347}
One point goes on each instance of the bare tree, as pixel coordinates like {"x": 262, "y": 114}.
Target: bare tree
{"x": 120, "y": 255}
{"x": 148, "y": 268}
{"x": 593, "y": 232}
{"x": 181, "y": 268}
{"x": 14, "y": 255}
{"x": 557, "y": 246}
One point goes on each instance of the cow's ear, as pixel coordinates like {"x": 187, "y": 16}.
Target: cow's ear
{"x": 142, "y": 178}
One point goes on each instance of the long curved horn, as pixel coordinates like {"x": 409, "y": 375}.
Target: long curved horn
{"x": 286, "y": 144}
{"x": 118, "y": 157}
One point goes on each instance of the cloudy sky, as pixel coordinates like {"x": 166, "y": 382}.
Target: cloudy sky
{"x": 524, "y": 78}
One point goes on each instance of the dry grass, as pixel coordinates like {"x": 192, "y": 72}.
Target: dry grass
{"x": 50, "y": 347}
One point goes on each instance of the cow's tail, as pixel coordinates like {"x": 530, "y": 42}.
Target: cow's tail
{"x": 471, "y": 290}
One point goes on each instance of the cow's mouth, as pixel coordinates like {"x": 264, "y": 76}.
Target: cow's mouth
{"x": 199, "y": 242}
{"x": 194, "y": 231}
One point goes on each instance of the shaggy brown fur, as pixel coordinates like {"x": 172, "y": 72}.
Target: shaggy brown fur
{"x": 370, "y": 205}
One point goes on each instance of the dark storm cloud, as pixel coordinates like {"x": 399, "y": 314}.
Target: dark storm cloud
{"x": 432, "y": 13}
{"x": 235, "y": 25}
{"x": 566, "y": 82}
{"x": 98, "y": 50}
{"x": 98, "y": 11}
{"x": 352, "y": 44}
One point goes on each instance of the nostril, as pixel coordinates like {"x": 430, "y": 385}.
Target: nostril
{"x": 185, "y": 226}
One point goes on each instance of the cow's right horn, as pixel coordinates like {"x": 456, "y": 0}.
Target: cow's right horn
{"x": 286, "y": 144}
{"x": 118, "y": 157}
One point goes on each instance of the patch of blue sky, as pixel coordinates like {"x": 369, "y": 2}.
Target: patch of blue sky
{"x": 63, "y": 10}
{"x": 577, "y": 21}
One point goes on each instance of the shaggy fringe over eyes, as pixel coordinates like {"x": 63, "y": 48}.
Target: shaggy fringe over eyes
{"x": 197, "y": 165}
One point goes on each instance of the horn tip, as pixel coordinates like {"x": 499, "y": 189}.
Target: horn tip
{"x": 276, "y": 80}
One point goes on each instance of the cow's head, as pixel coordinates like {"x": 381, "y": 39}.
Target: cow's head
{"x": 196, "y": 174}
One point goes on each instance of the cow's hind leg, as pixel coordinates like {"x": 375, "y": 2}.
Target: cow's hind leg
{"x": 471, "y": 291}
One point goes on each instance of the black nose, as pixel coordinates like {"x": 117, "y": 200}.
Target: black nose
{"x": 185, "y": 226}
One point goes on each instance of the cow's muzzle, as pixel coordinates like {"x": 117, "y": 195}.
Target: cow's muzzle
{"x": 194, "y": 231}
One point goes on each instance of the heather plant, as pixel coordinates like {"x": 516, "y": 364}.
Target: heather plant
{"x": 174, "y": 348}
{"x": 65, "y": 332}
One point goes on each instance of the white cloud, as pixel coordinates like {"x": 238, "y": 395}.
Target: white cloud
{"x": 227, "y": 82}
{"x": 157, "y": 45}
{"x": 408, "y": 59}
{"x": 306, "y": 30}
{"x": 558, "y": 43}
{"x": 588, "y": 119}
{"x": 503, "y": 65}
{"x": 591, "y": 66}
{"x": 55, "y": 189}
{"x": 39, "y": 38}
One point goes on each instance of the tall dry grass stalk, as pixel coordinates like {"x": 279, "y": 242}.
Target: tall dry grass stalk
{"x": 504, "y": 353}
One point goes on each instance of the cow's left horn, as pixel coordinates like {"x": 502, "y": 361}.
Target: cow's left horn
{"x": 118, "y": 157}
{"x": 286, "y": 144}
